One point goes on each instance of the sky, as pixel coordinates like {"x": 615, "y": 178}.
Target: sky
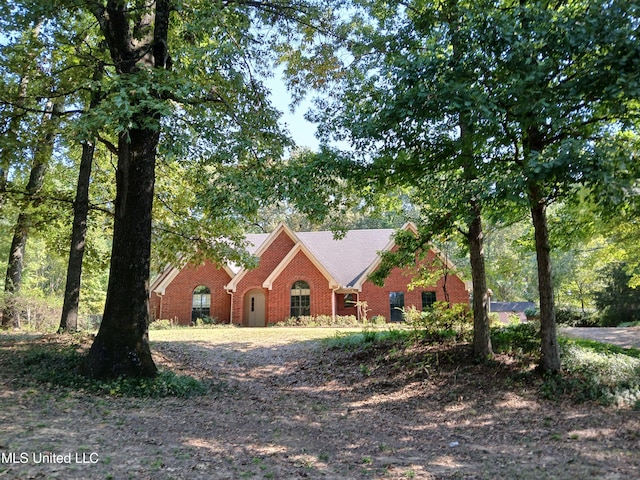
{"x": 301, "y": 130}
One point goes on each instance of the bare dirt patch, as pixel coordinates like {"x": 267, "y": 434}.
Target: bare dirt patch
{"x": 283, "y": 409}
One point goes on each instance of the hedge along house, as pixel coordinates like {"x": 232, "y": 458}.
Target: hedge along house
{"x": 299, "y": 274}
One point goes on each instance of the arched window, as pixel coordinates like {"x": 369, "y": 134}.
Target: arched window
{"x": 300, "y": 299}
{"x": 201, "y": 303}
{"x": 396, "y": 302}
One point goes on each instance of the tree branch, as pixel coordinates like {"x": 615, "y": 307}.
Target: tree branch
{"x": 110, "y": 146}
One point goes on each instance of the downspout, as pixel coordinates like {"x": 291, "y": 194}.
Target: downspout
{"x": 230, "y": 292}
{"x": 161, "y": 295}
{"x": 333, "y": 303}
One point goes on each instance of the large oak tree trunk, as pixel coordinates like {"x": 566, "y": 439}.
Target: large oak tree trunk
{"x": 69, "y": 317}
{"x": 137, "y": 40}
{"x": 121, "y": 347}
{"x": 481, "y": 333}
{"x": 481, "y": 325}
{"x": 549, "y": 354}
{"x": 13, "y": 279}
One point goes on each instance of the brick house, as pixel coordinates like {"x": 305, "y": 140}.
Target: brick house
{"x": 306, "y": 273}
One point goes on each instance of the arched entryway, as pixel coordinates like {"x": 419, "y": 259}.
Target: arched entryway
{"x": 255, "y": 308}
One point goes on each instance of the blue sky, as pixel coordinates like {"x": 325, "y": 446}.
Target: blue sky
{"x": 302, "y": 131}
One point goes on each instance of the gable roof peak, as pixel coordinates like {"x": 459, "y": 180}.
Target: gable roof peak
{"x": 411, "y": 227}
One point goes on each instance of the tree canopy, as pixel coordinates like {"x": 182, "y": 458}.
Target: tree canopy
{"x": 493, "y": 105}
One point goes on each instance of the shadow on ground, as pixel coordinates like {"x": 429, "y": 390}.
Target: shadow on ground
{"x": 302, "y": 411}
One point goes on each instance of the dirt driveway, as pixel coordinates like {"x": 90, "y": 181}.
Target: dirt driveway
{"x": 628, "y": 337}
{"x": 286, "y": 410}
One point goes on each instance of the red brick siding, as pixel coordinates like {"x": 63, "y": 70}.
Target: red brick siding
{"x": 254, "y": 279}
{"x": 377, "y": 298}
{"x": 176, "y": 302}
{"x": 300, "y": 268}
{"x": 341, "y": 309}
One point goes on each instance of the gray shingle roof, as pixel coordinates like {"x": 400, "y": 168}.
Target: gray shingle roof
{"x": 255, "y": 240}
{"x": 511, "y": 306}
{"x": 348, "y": 257}
{"x": 345, "y": 258}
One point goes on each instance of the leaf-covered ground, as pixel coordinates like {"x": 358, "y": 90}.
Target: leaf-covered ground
{"x": 283, "y": 409}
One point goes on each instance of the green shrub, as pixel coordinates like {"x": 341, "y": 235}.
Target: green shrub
{"x": 440, "y": 320}
{"x": 344, "y": 341}
{"x": 302, "y": 321}
{"x": 165, "y": 384}
{"x": 572, "y": 317}
{"x": 617, "y": 301}
{"x": 162, "y": 324}
{"x": 532, "y": 313}
{"x": 513, "y": 319}
{"x": 205, "y": 321}
{"x": 520, "y": 339}
{"x": 366, "y": 339}
{"x": 320, "y": 321}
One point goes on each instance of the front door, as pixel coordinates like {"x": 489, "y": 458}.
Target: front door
{"x": 255, "y": 309}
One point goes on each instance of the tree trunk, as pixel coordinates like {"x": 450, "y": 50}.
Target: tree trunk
{"x": 549, "y": 354}
{"x": 481, "y": 324}
{"x": 121, "y": 347}
{"x": 481, "y": 333}
{"x": 69, "y": 318}
{"x": 13, "y": 280}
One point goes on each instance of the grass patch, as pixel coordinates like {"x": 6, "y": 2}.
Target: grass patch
{"x": 248, "y": 336}
{"x": 165, "y": 384}
{"x": 393, "y": 336}
{"x": 604, "y": 348}
{"x": 592, "y": 371}
{"x": 630, "y": 324}
{"x": 55, "y": 365}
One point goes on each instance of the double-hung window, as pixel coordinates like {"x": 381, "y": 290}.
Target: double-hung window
{"x": 201, "y": 303}
{"x": 428, "y": 299}
{"x": 300, "y": 299}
